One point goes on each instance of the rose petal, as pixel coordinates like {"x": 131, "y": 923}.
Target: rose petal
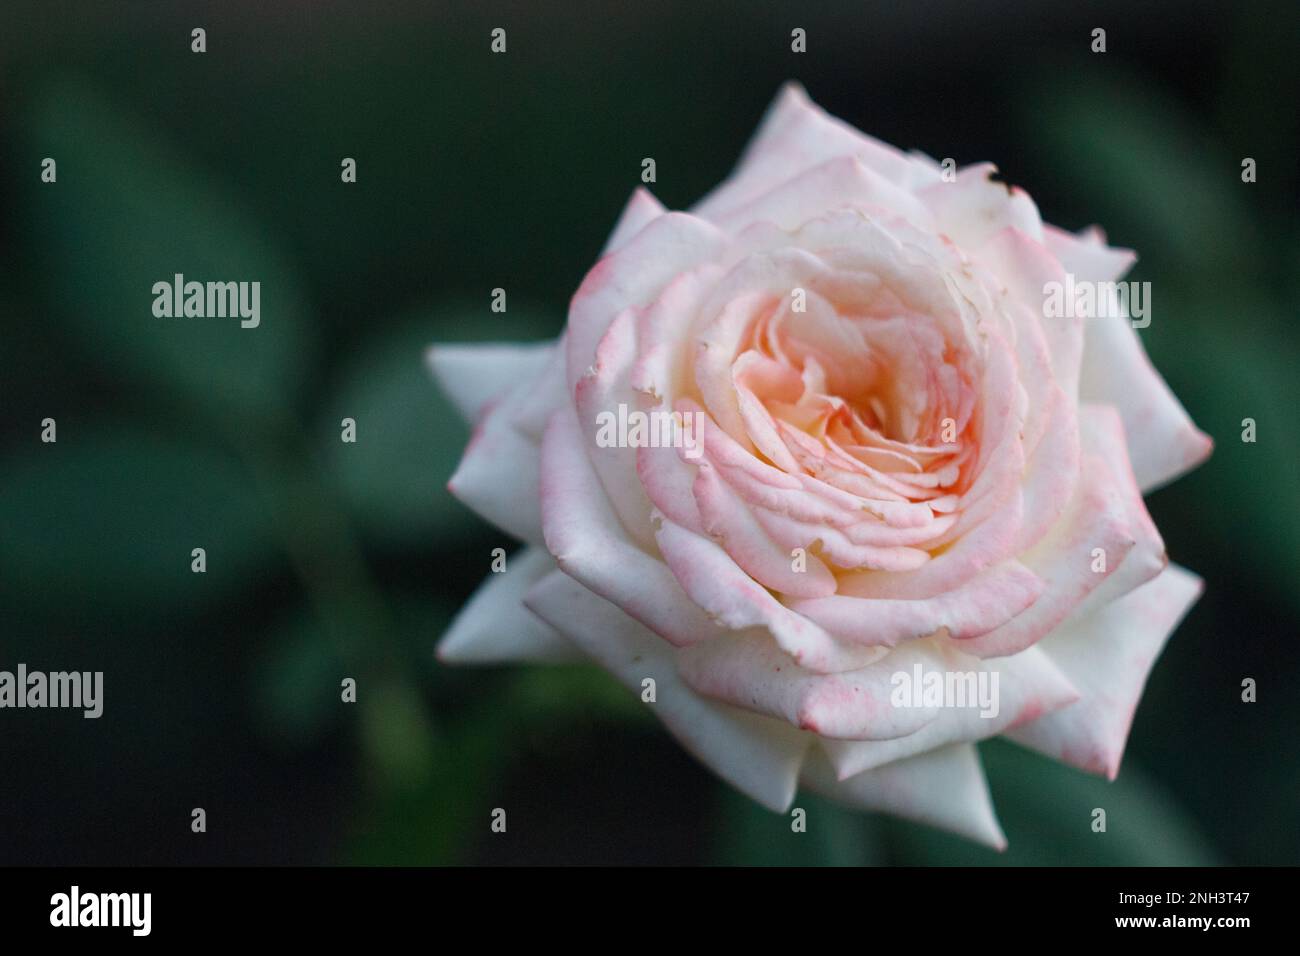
{"x": 497, "y": 477}
{"x": 473, "y": 375}
{"x": 1026, "y": 267}
{"x": 1029, "y": 685}
{"x": 1107, "y": 513}
{"x": 495, "y": 627}
{"x": 1162, "y": 440}
{"x": 641, "y": 210}
{"x": 751, "y": 671}
{"x": 757, "y": 755}
{"x": 796, "y": 135}
{"x": 729, "y": 522}
{"x": 599, "y": 395}
{"x": 737, "y": 602}
{"x": 834, "y": 184}
{"x": 589, "y": 544}
{"x": 987, "y": 601}
{"x": 1108, "y": 655}
{"x": 634, "y": 275}
{"x": 943, "y": 788}
{"x": 974, "y": 208}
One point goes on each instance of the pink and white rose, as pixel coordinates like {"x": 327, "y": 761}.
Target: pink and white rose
{"x": 900, "y": 462}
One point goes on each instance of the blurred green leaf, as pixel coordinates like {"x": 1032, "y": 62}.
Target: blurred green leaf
{"x": 396, "y": 734}
{"x": 126, "y": 212}
{"x": 409, "y": 438}
{"x": 297, "y": 674}
{"x": 434, "y": 820}
{"x": 750, "y": 835}
{"x": 1149, "y": 173}
{"x": 111, "y": 516}
{"x": 1046, "y": 809}
{"x": 1230, "y": 355}
{"x": 559, "y": 692}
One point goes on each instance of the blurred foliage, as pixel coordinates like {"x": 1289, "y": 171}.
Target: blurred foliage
{"x": 128, "y": 212}
{"x": 329, "y": 560}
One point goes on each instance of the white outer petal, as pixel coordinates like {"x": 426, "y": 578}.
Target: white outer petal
{"x": 758, "y": 755}
{"x": 1162, "y": 440}
{"x": 472, "y": 376}
{"x": 1108, "y": 655}
{"x": 1029, "y": 684}
{"x": 796, "y": 135}
{"x": 944, "y": 788}
{"x": 641, "y": 210}
{"x": 495, "y": 627}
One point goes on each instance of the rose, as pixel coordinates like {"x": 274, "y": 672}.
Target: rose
{"x": 905, "y": 466}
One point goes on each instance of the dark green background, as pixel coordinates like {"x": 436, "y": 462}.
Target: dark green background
{"x": 476, "y": 171}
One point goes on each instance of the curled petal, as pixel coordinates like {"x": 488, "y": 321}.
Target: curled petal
{"x": 1106, "y": 529}
{"x": 589, "y": 544}
{"x": 987, "y": 601}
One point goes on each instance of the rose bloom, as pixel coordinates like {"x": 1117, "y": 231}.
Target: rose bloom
{"x": 896, "y": 464}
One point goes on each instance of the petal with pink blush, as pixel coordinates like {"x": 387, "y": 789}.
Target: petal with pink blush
{"x": 1026, "y": 267}
{"x": 943, "y": 788}
{"x": 987, "y": 601}
{"x": 1108, "y": 655}
{"x": 669, "y": 483}
{"x": 796, "y": 135}
{"x": 749, "y": 670}
{"x": 597, "y": 398}
{"x": 836, "y": 547}
{"x": 495, "y": 627}
{"x": 665, "y": 339}
{"x": 734, "y": 527}
{"x": 497, "y": 473}
{"x": 1028, "y": 686}
{"x": 715, "y": 351}
{"x": 990, "y": 543}
{"x": 1147, "y": 558}
{"x": 975, "y": 207}
{"x": 1107, "y": 514}
{"x": 633, "y": 276}
{"x": 641, "y": 210}
{"x": 1052, "y": 472}
{"x": 756, "y": 754}
{"x": 737, "y": 602}
{"x": 844, "y": 181}
{"x": 589, "y": 544}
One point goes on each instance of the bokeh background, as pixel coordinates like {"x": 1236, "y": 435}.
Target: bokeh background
{"x": 328, "y": 560}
